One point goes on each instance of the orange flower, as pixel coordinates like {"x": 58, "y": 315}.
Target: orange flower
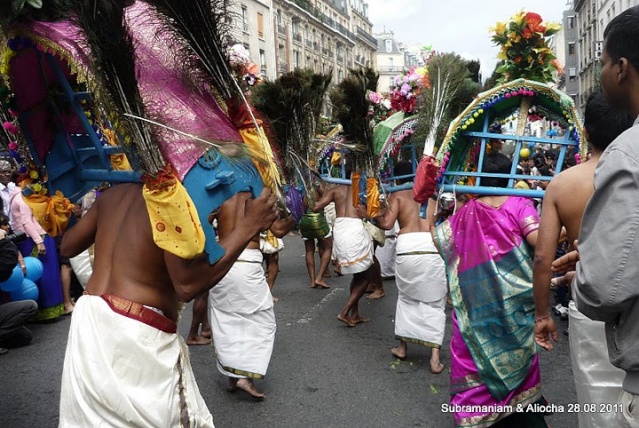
{"x": 517, "y": 59}
{"x": 533, "y": 22}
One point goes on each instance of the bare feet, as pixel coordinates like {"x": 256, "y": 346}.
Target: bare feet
{"x": 436, "y": 367}
{"x": 326, "y": 274}
{"x": 358, "y": 319}
{"x": 346, "y": 320}
{"x": 206, "y": 333}
{"x": 232, "y": 385}
{"x": 377, "y": 294}
{"x": 248, "y": 386}
{"x": 198, "y": 340}
{"x": 321, "y": 283}
{"x": 68, "y": 308}
{"x": 275, "y": 299}
{"x": 399, "y": 352}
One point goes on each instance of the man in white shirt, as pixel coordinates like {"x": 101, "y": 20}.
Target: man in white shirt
{"x": 6, "y": 186}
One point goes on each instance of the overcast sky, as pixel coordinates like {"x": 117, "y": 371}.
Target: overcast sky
{"x": 455, "y": 25}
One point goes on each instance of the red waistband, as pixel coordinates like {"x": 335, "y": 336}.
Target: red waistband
{"x": 140, "y": 313}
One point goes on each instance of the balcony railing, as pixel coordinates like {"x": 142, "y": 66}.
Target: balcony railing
{"x": 283, "y": 67}
{"x": 281, "y": 29}
{"x": 340, "y": 59}
{"x": 316, "y": 46}
{"x": 325, "y": 51}
{"x": 366, "y": 37}
{"x": 297, "y": 37}
{"x": 309, "y": 44}
{"x": 388, "y": 68}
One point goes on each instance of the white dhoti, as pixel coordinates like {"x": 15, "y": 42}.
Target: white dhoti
{"x": 353, "y": 245}
{"x": 421, "y": 289}
{"x": 242, "y": 319}
{"x": 596, "y": 380}
{"x": 120, "y": 371}
{"x": 386, "y": 254}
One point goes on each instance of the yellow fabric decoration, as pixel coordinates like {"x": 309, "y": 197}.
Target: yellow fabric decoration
{"x": 355, "y": 176}
{"x": 271, "y": 239}
{"x": 118, "y": 161}
{"x": 372, "y": 197}
{"x": 174, "y": 220}
{"x": 336, "y": 158}
{"x": 260, "y": 152}
{"x": 52, "y": 212}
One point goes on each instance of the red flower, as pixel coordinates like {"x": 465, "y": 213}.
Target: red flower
{"x": 533, "y": 22}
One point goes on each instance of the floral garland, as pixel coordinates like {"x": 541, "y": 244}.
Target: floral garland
{"x": 380, "y": 108}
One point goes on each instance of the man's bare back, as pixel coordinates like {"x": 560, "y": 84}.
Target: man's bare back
{"x": 341, "y": 194}
{"x": 402, "y": 207}
{"x": 130, "y": 265}
{"x": 569, "y": 192}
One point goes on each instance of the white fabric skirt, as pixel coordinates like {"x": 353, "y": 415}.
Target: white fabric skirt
{"x": 242, "y": 319}
{"x": 120, "y": 372}
{"x": 353, "y": 245}
{"x": 421, "y": 287}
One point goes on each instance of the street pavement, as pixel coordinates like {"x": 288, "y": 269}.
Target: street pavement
{"x": 322, "y": 373}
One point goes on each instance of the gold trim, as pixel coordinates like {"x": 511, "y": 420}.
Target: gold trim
{"x": 418, "y": 342}
{"x": 239, "y": 372}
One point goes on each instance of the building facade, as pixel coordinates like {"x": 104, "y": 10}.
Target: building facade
{"x": 569, "y": 83}
{"x": 253, "y": 27}
{"x": 592, "y": 17}
{"x": 390, "y": 59}
{"x": 323, "y": 35}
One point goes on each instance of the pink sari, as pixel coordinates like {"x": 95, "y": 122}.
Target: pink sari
{"x": 494, "y": 364}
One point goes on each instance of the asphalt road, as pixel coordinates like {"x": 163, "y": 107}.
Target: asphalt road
{"x": 322, "y": 373}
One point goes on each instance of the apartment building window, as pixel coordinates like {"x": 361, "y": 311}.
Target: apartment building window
{"x": 295, "y": 25}
{"x": 571, "y": 22}
{"x": 571, "y": 48}
{"x": 244, "y": 19}
{"x": 296, "y": 59}
{"x": 260, "y": 25}
{"x": 572, "y": 74}
{"x": 262, "y": 61}
{"x": 389, "y": 45}
{"x": 391, "y": 65}
{"x": 614, "y": 13}
{"x": 279, "y": 17}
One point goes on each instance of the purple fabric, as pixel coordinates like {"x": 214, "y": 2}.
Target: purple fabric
{"x": 462, "y": 368}
{"x": 50, "y": 284}
{"x": 294, "y": 202}
{"x": 477, "y": 244}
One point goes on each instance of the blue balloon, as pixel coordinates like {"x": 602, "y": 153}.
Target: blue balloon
{"x": 14, "y": 282}
{"x": 34, "y": 268}
{"x": 28, "y": 291}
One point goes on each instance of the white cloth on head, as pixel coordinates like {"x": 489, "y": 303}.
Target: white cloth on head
{"x": 242, "y": 318}
{"x": 420, "y": 275}
{"x": 386, "y": 254}
{"x": 120, "y": 372}
{"x": 596, "y": 380}
{"x": 353, "y": 245}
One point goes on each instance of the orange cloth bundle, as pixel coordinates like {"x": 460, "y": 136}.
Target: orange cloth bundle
{"x": 372, "y": 197}
{"x": 355, "y": 177}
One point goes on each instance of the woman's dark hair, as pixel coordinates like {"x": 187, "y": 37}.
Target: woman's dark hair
{"x": 496, "y": 163}
{"x": 604, "y": 123}
{"x": 4, "y": 220}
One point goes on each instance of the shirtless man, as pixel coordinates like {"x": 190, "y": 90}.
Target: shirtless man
{"x": 353, "y": 248}
{"x": 419, "y": 271}
{"x": 123, "y": 338}
{"x": 564, "y": 204}
{"x": 241, "y": 306}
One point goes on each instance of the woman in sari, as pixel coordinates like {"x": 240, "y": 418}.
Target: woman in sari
{"x": 486, "y": 246}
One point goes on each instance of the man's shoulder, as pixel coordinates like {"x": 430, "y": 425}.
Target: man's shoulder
{"x": 627, "y": 141}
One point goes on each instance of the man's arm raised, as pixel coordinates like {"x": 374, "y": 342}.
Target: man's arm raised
{"x": 192, "y": 277}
